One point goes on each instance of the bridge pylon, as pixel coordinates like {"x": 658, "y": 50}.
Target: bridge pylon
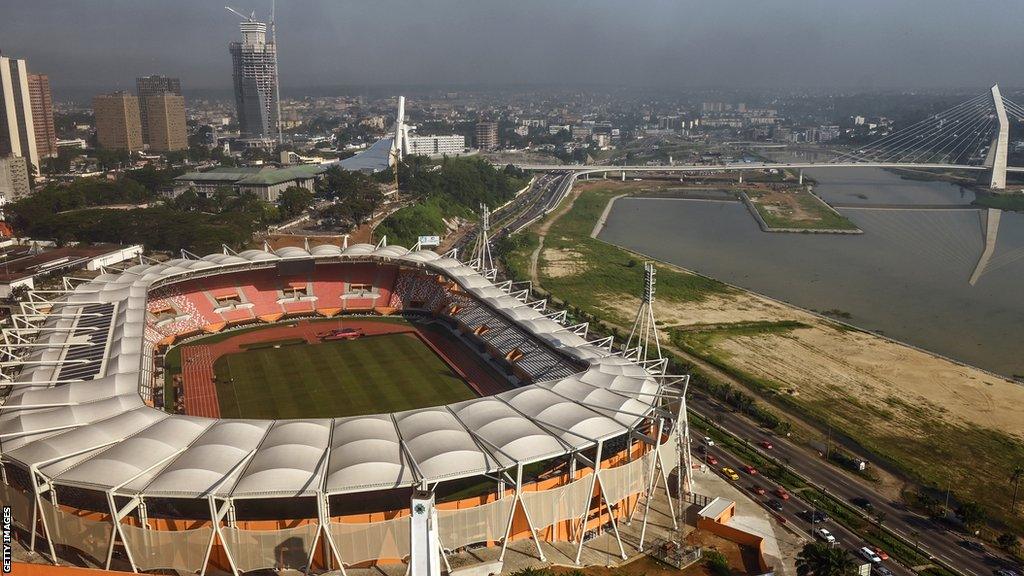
{"x": 1000, "y": 142}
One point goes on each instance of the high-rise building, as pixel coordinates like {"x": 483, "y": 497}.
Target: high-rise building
{"x": 14, "y": 181}
{"x": 42, "y": 115}
{"x": 118, "y": 126}
{"x": 486, "y": 135}
{"x": 17, "y": 129}
{"x": 166, "y": 122}
{"x": 146, "y": 86}
{"x": 254, "y": 65}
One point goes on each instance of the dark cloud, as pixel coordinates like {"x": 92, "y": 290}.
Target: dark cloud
{"x": 680, "y": 43}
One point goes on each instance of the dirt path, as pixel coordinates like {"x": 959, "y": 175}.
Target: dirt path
{"x": 542, "y": 232}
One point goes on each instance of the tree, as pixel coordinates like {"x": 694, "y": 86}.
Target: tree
{"x": 293, "y": 201}
{"x": 820, "y": 559}
{"x": 717, "y": 563}
{"x": 972, "y": 513}
{"x": 1015, "y": 477}
{"x": 356, "y": 195}
{"x": 1008, "y": 541}
{"x": 109, "y": 159}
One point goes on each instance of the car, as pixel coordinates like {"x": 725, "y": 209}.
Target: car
{"x": 749, "y": 469}
{"x": 781, "y": 493}
{"x": 824, "y": 534}
{"x": 709, "y": 441}
{"x": 814, "y": 516}
{"x": 881, "y": 553}
{"x": 767, "y": 444}
{"x": 972, "y": 545}
{"x": 712, "y": 460}
{"x": 702, "y": 449}
{"x": 869, "y": 555}
{"x": 862, "y": 503}
{"x": 775, "y": 505}
{"x": 730, "y": 473}
{"x": 879, "y": 570}
{"x": 759, "y": 490}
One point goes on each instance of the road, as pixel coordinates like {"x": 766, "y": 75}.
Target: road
{"x": 547, "y": 192}
{"x": 793, "y": 509}
{"x": 935, "y": 539}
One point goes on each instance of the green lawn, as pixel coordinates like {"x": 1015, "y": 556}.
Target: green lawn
{"x": 602, "y": 271}
{"x": 367, "y": 376}
{"x": 822, "y": 217}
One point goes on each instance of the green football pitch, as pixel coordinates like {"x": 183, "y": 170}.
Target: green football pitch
{"x": 374, "y": 374}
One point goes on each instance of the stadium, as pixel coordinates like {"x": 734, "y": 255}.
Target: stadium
{"x": 303, "y": 407}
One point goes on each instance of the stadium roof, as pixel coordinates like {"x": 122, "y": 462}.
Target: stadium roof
{"x": 96, "y": 432}
{"x": 374, "y": 159}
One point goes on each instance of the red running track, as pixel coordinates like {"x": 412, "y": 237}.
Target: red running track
{"x": 197, "y": 360}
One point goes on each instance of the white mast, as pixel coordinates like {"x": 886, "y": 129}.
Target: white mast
{"x": 277, "y": 70}
{"x": 645, "y": 331}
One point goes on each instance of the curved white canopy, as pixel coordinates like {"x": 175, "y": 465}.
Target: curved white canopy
{"x": 98, "y": 433}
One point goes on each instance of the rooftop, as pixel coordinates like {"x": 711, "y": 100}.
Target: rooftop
{"x": 253, "y": 175}
{"x": 21, "y": 261}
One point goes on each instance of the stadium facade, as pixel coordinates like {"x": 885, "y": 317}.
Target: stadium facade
{"x": 97, "y": 475}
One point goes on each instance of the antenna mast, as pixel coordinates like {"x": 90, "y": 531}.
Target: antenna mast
{"x": 645, "y": 332}
{"x": 482, "y": 259}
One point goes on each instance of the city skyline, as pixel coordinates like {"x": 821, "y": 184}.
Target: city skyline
{"x": 870, "y": 45}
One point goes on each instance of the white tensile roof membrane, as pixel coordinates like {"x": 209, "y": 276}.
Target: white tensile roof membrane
{"x": 99, "y": 434}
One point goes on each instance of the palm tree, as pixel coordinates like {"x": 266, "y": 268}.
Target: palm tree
{"x": 820, "y": 559}
{"x": 1015, "y": 477}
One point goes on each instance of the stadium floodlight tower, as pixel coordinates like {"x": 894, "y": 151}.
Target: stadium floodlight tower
{"x": 643, "y": 338}
{"x": 481, "y": 257}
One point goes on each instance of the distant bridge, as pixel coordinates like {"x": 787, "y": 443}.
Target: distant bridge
{"x": 973, "y": 135}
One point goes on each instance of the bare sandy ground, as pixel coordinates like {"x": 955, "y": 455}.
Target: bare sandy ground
{"x": 713, "y": 309}
{"x": 822, "y": 363}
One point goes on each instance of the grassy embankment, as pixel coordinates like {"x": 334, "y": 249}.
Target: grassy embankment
{"x": 590, "y": 275}
{"x": 1014, "y": 202}
{"x": 798, "y": 210}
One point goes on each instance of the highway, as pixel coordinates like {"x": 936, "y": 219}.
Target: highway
{"x": 547, "y": 192}
{"x": 935, "y": 539}
{"x": 793, "y": 509}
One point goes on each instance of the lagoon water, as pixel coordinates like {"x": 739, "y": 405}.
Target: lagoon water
{"x": 906, "y": 276}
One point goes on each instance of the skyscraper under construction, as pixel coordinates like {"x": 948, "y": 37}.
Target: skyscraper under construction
{"x": 254, "y": 63}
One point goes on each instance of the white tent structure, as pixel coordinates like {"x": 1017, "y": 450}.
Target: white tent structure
{"x": 78, "y": 421}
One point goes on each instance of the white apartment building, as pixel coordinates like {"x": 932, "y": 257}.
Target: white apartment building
{"x": 451, "y": 145}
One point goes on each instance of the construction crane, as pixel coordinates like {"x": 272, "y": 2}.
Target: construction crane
{"x": 249, "y": 18}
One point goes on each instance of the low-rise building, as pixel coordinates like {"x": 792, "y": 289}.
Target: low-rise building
{"x": 25, "y": 262}
{"x": 266, "y": 182}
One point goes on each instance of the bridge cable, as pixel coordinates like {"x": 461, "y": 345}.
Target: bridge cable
{"x": 919, "y": 127}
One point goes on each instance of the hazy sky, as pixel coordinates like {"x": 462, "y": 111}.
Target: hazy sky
{"x": 678, "y": 43}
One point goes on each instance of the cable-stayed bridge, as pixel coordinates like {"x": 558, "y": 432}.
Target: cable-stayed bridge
{"x": 973, "y": 135}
